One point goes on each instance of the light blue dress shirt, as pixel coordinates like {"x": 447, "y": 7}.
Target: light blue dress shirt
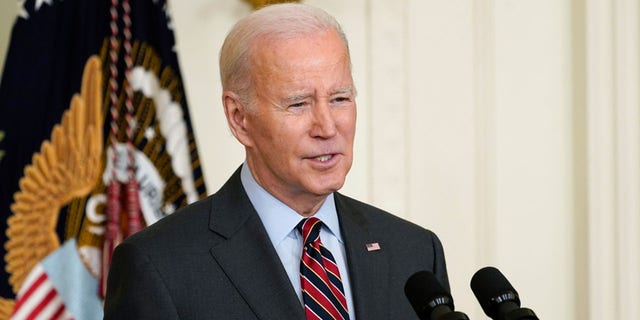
{"x": 280, "y": 222}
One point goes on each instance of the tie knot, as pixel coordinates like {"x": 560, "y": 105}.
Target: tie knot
{"x": 309, "y": 229}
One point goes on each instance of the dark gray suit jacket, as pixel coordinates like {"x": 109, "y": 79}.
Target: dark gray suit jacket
{"x": 214, "y": 260}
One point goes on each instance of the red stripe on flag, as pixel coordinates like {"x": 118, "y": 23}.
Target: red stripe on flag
{"x": 24, "y": 297}
{"x": 58, "y": 312}
{"x": 50, "y": 295}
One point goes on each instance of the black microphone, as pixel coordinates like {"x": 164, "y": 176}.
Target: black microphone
{"x": 429, "y": 299}
{"x": 499, "y": 300}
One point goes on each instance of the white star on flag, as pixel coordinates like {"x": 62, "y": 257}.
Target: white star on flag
{"x": 22, "y": 12}
{"x": 40, "y": 2}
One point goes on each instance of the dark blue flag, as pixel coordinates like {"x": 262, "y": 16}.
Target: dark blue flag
{"x": 66, "y": 136}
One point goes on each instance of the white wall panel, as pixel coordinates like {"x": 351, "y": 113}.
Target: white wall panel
{"x": 613, "y": 104}
{"x": 534, "y": 197}
{"x": 200, "y": 27}
{"x": 387, "y": 52}
{"x": 627, "y": 57}
{"x": 441, "y": 144}
{"x": 484, "y": 85}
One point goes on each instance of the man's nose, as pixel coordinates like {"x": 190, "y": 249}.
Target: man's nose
{"x": 324, "y": 122}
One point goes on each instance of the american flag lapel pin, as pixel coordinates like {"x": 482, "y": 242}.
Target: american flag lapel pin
{"x": 374, "y": 246}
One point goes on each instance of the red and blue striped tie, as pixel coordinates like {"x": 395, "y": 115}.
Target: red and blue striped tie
{"x": 322, "y": 290}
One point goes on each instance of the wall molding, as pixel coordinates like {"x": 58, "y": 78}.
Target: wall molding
{"x": 613, "y": 138}
{"x": 627, "y": 95}
{"x": 485, "y": 139}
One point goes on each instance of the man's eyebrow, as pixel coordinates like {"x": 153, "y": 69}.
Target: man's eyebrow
{"x": 347, "y": 90}
{"x": 302, "y": 96}
{"x": 296, "y": 97}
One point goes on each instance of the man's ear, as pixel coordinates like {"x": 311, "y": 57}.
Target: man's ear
{"x": 236, "y": 114}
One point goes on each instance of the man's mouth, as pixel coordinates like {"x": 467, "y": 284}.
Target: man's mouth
{"x": 323, "y": 158}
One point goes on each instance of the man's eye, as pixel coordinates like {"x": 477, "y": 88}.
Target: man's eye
{"x": 342, "y": 99}
{"x": 297, "y": 105}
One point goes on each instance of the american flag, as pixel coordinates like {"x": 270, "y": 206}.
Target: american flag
{"x": 59, "y": 288}
{"x": 51, "y": 42}
{"x": 373, "y": 246}
{"x": 39, "y": 299}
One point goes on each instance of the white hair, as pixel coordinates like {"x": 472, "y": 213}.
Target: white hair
{"x": 274, "y": 22}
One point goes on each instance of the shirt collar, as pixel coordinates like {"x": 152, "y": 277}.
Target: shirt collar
{"x": 279, "y": 219}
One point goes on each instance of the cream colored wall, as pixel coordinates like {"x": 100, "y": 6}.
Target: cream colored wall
{"x": 7, "y": 14}
{"x": 510, "y": 128}
{"x": 612, "y": 46}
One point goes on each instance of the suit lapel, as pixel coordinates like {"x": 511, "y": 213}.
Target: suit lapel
{"x": 247, "y": 257}
{"x": 368, "y": 270}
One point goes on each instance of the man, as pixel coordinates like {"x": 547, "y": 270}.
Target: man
{"x": 289, "y": 98}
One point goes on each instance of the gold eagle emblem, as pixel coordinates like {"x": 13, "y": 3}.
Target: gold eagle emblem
{"x": 68, "y": 166}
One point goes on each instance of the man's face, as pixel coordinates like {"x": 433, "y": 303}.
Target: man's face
{"x": 302, "y": 124}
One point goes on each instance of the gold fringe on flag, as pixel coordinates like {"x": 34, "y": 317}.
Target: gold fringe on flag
{"x": 257, "y": 4}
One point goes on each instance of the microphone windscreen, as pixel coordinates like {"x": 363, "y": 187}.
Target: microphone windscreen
{"x": 491, "y": 288}
{"x": 425, "y": 293}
